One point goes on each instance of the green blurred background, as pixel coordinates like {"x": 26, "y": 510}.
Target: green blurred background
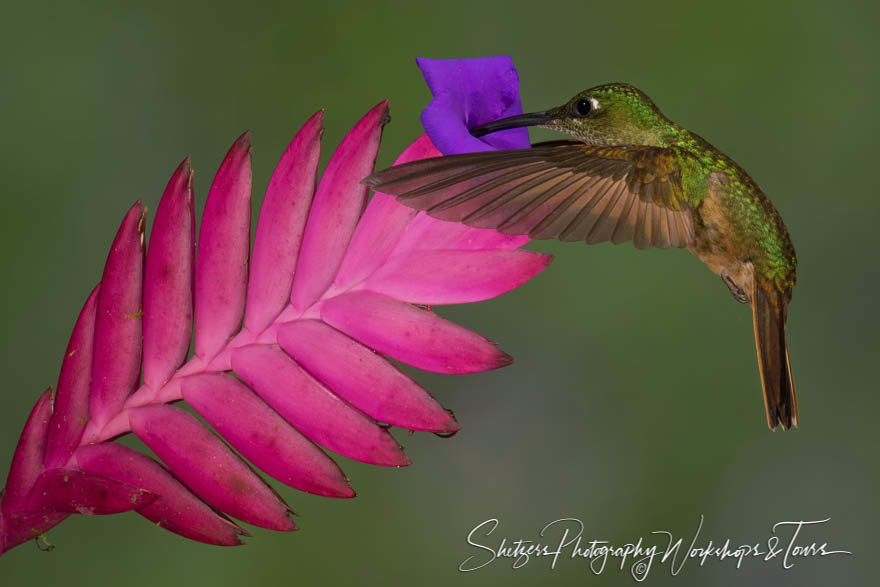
{"x": 634, "y": 403}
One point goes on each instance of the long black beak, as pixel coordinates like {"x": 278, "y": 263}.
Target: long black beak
{"x": 531, "y": 119}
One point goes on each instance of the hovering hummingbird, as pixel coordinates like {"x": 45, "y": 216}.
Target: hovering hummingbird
{"x": 631, "y": 174}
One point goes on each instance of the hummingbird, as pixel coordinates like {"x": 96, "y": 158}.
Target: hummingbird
{"x": 628, "y": 174}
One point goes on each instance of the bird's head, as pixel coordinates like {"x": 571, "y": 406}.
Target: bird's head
{"x": 610, "y": 114}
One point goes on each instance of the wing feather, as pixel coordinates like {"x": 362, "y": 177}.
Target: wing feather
{"x": 606, "y": 222}
{"x": 461, "y": 206}
{"x": 561, "y": 189}
{"x": 581, "y": 223}
{"x": 497, "y": 212}
{"x": 584, "y": 196}
{"x": 658, "y": 222}
{"x": 524, "y": 220}
{"x": 641, "y": 233}
{"x": 626, "y": 224}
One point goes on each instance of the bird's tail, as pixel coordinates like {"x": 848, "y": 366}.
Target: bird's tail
{"x": 769, "y": 310}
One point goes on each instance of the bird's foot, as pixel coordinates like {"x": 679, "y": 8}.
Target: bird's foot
{"x": 735, "y": 290}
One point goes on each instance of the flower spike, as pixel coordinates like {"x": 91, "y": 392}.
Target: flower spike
{"x": 291, "y": 357}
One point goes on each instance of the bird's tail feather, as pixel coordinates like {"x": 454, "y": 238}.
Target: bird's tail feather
{"x": 769, "y": 309}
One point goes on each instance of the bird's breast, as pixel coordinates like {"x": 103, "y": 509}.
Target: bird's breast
{"x": 716, "y": 243}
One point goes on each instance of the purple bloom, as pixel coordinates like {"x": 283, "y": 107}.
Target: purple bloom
{"x": 468, "y": 93}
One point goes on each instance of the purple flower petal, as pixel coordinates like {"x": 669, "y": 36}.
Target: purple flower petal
{"x": 116, "y": 364}
{"x": 455, "y": 277}
{"x": 262, "y": 436}
{"x": 27, "y": 461}
{"x": 71, "y": 404}
{"x": 280, "y": 228}
{"x": 468, "y": 93}
{"x": 176, "y": 509}
{"x": 168, "y": 281}
{"x": 207, "y": 466}
{"x": 339, "y": 202}
{"x": 312, "y": 409}
{"x": 75, "y": 492}
{"x": 412, "y": 335}
{"x": 375, "y": 386}
{"x": 224, "y": 244}
{"x": 382, "y": 225}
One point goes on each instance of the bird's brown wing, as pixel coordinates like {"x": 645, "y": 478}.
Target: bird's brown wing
{"x": 560, "y": 189}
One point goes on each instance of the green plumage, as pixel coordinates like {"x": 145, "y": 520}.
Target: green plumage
{"x": 631, "y": 117}
{"x": 756, "y": 226}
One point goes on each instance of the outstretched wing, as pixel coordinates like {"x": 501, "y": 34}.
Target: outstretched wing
{"x": 560, "y": 189}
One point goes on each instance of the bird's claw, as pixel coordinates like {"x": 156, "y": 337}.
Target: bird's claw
{"x": 735, "y": 290}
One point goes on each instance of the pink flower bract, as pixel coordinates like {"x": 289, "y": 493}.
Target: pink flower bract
{"x": 305, "y": 322}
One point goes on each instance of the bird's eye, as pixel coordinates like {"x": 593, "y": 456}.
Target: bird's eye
{"x": 583, "y": 107}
